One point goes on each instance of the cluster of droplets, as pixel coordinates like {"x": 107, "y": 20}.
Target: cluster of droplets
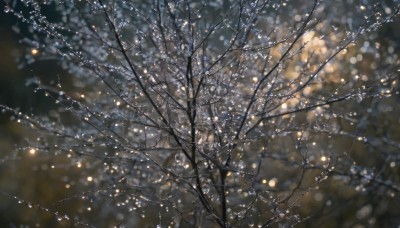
{"x": 141, "y": 93}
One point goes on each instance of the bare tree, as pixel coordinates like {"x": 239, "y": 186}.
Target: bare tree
{"x": 215, "y": 113}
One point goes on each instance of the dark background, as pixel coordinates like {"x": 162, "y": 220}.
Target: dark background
{"x": 16, "y": 176}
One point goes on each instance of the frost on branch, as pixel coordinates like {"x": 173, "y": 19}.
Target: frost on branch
{"x": 228, "y": 113}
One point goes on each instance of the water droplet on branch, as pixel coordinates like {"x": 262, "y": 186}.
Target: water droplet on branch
{"x": 7, "y": 9}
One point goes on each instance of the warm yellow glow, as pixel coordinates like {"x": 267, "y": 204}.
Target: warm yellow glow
{"x": 323, "y": 158}
{"x": 292, "y": 102}
{"x": 32, "y": 151}
{"x": 34, "y": 51}
{"x": 264, "y": 181}
{"x": 313, "y": 43}
{"x": 89, "y": 178}
{"x": 272, "y": 182}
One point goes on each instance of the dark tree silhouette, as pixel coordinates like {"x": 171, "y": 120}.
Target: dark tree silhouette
{"x": 222, "y": 113}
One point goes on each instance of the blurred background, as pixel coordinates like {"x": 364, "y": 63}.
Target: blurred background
{"x": 21, "y": 174}
{"x": 25, "y": 177}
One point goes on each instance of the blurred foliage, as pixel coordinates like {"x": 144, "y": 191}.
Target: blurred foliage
{"x": 29, "y": 177}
